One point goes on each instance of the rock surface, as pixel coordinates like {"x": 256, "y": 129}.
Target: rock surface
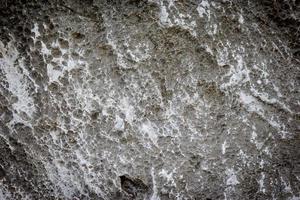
{"x": 154, "y": 100}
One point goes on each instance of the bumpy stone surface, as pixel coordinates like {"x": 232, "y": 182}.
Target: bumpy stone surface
{"x": 154, "y": 100}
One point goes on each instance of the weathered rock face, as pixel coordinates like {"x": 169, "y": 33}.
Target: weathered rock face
{"x": 151, "y": 100}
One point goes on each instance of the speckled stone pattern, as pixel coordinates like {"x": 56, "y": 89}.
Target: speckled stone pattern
{"x": 146, "y": 100}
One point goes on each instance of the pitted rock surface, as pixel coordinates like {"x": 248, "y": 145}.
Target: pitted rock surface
{"x": 153, "y": 100}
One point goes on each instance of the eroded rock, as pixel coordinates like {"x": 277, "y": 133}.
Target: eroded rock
{"x": 152, "y": 100}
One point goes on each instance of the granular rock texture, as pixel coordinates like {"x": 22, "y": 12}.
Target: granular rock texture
{"x": 149, "y": 99}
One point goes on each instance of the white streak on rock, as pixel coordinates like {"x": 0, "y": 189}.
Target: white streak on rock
{"x": 224, "y": 146}
{"x": 36, "y": 32}
{"x": 148, "y": 129}
{"x": 241, "y": 19}
{"x": 127, "y": 109}
{"x": 203, "y": 8}
{"x": 231, "y": 177}
{"x": 13, "y": 68}
{"x": 250, "y": 102}
{"x": 155, "y": 192}
{"x": 164, "y": 15}
{"x": 238, "y": 74}
{"x": 287, "y": 187}
{"x": 119, "y": 123}
{"x": 261, "y": 183}
{"x": 45, "y": 50}
{"x": 170, "y": 16}
{"x": 168, "y": 176}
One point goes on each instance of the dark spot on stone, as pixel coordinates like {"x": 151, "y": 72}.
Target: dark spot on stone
{"x": 38, "y": 44}
{"x": 200, "y": 49}
{"x": 133, "y": 186}
{"x": 2, "y": 173}
{"x": 72, "y": 140}
{"x": 226, "y": 66}
{"x": 56, "y": 52}
{"x": 94, "y": 115}
{"x": 77, "y": 36}
{"x": 57, "y": 67}
{"x": 220, "y": 116}
{"x": 53, "y": 87}
{"x": 77, "y": 113}
{"x": 64, "y": 44}
{"x": 75, "y": 55}
{"x": 51, "y": 26}
{"x": 138, "y": 3}
{"x": 27, "y": 31}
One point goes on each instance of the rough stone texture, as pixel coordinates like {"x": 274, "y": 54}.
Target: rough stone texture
{"x": 154, "y": 100}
